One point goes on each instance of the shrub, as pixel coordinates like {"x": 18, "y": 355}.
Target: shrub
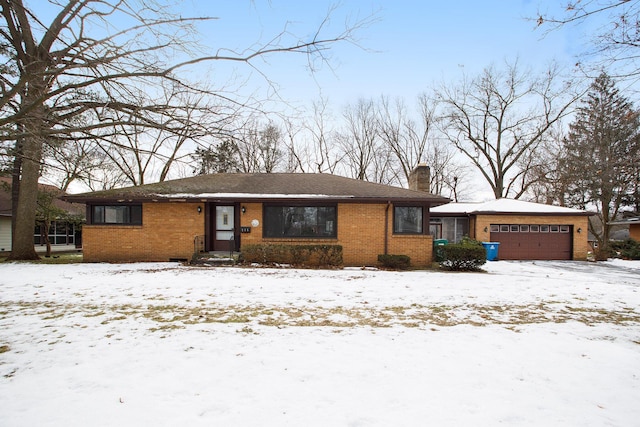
{"x": 468, "y": 255}
{"x": 627, "y": 249}
{"x": 298, "y": 255}
{"x": 396, "y": 262}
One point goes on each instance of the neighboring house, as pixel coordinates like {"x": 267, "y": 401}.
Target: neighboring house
{"x": 60, "y": 232}
{"x": 634, "y": 226}
{"x": 525, "y": 230}
{"x": 223, "y": 212}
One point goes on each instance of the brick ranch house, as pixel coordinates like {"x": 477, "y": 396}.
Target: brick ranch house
{"x": 172, "y": 220}
{"x": 634, "y": 226}
{"x": 525, "y": 230}
{"x": 61, "y": 233}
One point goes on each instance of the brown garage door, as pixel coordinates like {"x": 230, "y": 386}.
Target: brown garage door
{"x": 533, "y": 241}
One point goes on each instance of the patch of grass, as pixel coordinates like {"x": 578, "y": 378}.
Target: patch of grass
{"x": 166, "y": 328}
{"x": 235, "y": 318}
{"x": 62, "y": 258}
{"x": 55, "y": 258}
{"x": 247, "y": 330}
{"x": 166, "y": 317}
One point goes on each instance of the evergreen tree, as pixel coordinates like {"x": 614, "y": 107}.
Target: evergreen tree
{"x": 601, "y": 155}
{"x": 221, "y": 158}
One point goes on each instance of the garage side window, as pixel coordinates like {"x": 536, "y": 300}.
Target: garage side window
{"x": 116, "y": 214}
{"x": 407, "y": 219}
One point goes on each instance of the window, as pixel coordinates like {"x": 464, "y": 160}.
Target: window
{"x": 120, "y": 214}
{"x": 454, "y": 229}
{"x": 60, "y": 233}
{"x": 534, "y": 228}
{"x": 514, "y": 228}
{"x": 407, "y": 219}
{"x": 564, "y": 228}
{"x": 435, "y": 229}
{"x": 524, "y": 228}
{"x": 504, "y": 228}
{"x": 300, "y": 221}
{"x": 495, "y": 228}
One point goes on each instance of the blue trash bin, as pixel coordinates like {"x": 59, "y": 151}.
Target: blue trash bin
{"x": 492, "y": 250}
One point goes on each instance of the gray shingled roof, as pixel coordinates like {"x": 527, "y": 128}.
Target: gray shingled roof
{"x": 260, "y": 187}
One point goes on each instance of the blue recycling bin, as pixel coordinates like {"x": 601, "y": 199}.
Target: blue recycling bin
{"x": 492, "y": 250}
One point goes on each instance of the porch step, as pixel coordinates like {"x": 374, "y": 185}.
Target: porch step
{"x": 218, "y": 258}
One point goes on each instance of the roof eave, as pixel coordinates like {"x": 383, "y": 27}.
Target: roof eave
{"x": 579, "y": 213}
{"x": 433, "y": 201}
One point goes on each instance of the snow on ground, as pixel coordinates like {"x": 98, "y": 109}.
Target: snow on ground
{"x": 525, "y": 344}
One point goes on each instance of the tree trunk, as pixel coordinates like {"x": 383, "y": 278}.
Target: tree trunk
{"x": 15, "y": 184}
{"x": 22, "y": 247}
{"x": 47, "y": 240}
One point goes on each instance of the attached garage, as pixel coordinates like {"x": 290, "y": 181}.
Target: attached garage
{"x": 533, "y": 241}
{"x": 525, "y": 230}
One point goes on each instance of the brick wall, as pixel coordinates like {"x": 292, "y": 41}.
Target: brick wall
{"x": 580, "y": 243}
{"x": 361, "y": 232}
{"x": 169, "y": 229}
{"x": 167, "y": 232}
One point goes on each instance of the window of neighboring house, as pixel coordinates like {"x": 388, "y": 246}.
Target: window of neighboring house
{"x": 407, "y": 219}
{"x": 120, "y": 214}
{"x": 60, "y": 233}
{"x": 300, "y": 221}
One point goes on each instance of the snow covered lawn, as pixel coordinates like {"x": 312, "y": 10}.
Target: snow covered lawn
{"x": 526, "y": 344}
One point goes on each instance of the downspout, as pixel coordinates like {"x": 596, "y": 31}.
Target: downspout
{"x": 386, "y": 228}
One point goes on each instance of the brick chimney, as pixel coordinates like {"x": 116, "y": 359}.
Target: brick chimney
{"x": 419, "y": 178}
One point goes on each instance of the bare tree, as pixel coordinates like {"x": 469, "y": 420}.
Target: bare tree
{"x": 499, "y": 118}
{"x": 72, "y": 161}
{"x": 295, "y": 154}
{"x": 413, "y": 139}
{"x": 98, "y": 58}
{"x": 401, "y": 135}
{"x": 449, "y": 178}
{"x": 106, "y": 177}
{"x": 271, "y": 154}
{"x": 616, "y": 43}
{"x": 326, "y": 155}
{"x": 550, "y": 184}
{"x": 365, "y": 155}
{"x": 258, "y": 147}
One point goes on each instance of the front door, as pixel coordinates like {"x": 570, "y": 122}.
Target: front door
{"x": 224, "y": 228}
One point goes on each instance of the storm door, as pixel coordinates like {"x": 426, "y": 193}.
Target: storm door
{"x": 224, "y": 228}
